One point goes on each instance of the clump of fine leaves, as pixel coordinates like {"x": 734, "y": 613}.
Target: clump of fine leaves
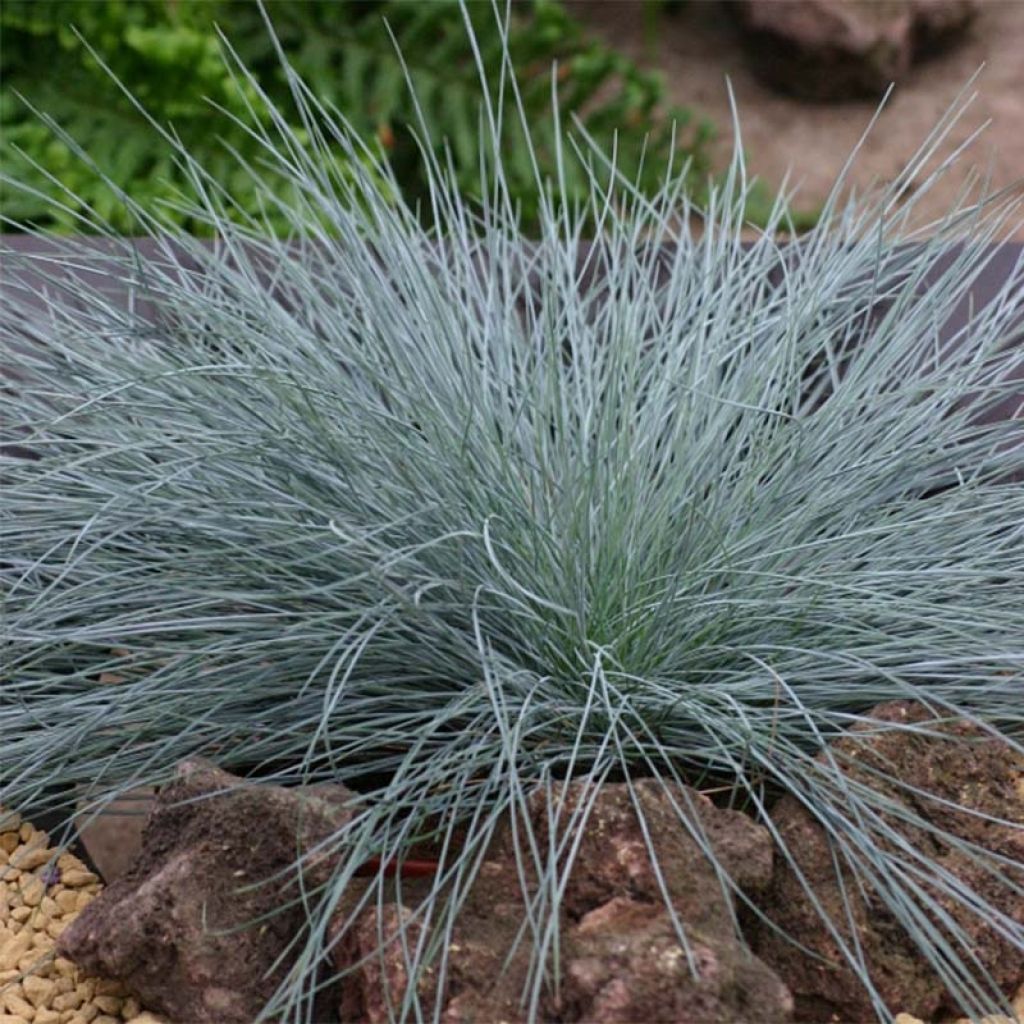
{"x": 465, "y": 511}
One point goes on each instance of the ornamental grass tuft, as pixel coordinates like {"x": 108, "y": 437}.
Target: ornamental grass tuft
{"x": 410, "y": 499}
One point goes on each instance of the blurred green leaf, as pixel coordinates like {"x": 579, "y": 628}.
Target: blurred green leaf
{"x": 168, "y": 54}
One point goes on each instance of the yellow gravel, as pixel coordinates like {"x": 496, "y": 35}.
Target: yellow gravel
{"x": 40, "y": 895}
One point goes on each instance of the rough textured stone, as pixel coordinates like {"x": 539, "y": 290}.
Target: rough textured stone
{"x": 624, "y": 963}
{"x": 845, "y": 49}
{"x": 613, "y": 858}
{"x": 148, "y": 927}
{"x": 613, "y": 917}
{"x": 488, "y": 971}
{"x": 960, "y": 765}
{"x": 381, "y": 938}
{"x": 113, "y": 838}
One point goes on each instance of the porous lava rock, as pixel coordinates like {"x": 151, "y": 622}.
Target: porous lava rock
{"x": 489, "y": 956}
{"x": 383, "y": 941}
{"x": 831, "y": 50}
{"x": 171, "y": 927}
{"x": 613, "y": 856}
{"x": 621, "y": 954}
{"x": 486, "y": 964}
{"x": 624, "y": 963}
{"x": 960, "y": 764}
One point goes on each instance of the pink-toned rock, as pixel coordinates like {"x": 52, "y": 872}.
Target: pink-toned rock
{"x": 624, "y": 963}
{"x": 622, "y": 957}
{"x": 383, "y": 940}
{"x": 960, "y": 765}
{"x": 113, "y": 838}
{"x": 483, "y": 980}
{"x": 164, "y": 928}
{"x": 614, "y": 860}
{"x": 845, "y": 49}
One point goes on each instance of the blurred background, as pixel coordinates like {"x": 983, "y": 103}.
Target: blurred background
{"x": 647, "y": 75}
{"x": 808, "y": 76}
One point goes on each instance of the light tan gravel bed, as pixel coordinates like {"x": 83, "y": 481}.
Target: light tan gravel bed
{"x": 40, "y": 894}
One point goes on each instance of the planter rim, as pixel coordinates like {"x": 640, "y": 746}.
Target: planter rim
{"x": 1004, "y": 260}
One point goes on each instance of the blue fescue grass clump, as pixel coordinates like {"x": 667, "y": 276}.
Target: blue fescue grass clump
{"x": 464, "y": 512}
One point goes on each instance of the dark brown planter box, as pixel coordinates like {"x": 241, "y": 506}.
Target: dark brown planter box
{"x": 1006, "y": 260}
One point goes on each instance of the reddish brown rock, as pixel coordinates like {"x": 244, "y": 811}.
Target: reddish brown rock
{"x": 613, "y": 857}
{"x": 622, "y": 959}
{"x": 486, "y": 969}
{"x": 488, "y": 966}
{"x": 959, "y": 765}
{"x": 827, "y": 50}
{"x": 385, "y": 941}
{"x": 161, "y": 928}
{"x": 113, "y": 838}
{"x": 624, "y": 963}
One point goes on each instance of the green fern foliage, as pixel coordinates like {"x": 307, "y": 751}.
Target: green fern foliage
{"x": 168, "y": 53}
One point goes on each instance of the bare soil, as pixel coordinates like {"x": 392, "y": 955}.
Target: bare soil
{"x": 698, "y": 47}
